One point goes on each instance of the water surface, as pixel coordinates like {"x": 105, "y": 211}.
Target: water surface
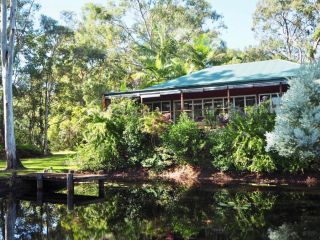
{"x": 161, "y": 211}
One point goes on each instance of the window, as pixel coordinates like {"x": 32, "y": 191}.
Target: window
{"x": 273, "y": 97}
{"x": 239, "y": 103}
{"x": 250, "y": 101}
{"x": 156, "y": 106}
{"x": 197, "y": 110}
{"x": 218, "y": 106}
{"x": 165, "y": 107}
{"x": 177, "y": 110}
{"x": 188, "y": 108}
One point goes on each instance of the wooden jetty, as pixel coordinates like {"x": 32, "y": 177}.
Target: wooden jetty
{"x": 67, "y": 180}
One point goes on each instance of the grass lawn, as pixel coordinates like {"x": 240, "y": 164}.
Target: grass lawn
{"x": 60, "y": 162}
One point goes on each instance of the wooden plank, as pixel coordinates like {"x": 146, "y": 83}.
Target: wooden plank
{"x": 64, "y": 176}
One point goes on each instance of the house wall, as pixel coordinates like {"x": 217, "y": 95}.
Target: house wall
{"x": 218, "y": 101}
{"x": 220, "y": 93}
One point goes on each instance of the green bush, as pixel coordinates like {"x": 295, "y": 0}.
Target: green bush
{"x": 186, "y": 140}
{"x": 66, "y": 129}
{"x": 221, "y": 145}
{"x": 115, "y": 139}
{"x": 241, "y": 144}
{"x": 28, "y": 151}
{"x": 160, "y": 160}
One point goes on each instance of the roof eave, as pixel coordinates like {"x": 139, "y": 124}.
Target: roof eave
{"x": 198, "y": 88}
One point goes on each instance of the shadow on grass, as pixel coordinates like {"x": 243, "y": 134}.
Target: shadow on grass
{"x": 58, "y": 162}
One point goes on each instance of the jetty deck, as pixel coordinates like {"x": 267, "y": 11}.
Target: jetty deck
{"x": 68, "y": 180}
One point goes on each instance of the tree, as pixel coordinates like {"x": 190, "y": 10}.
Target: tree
{"x": 297, "y": 128}
{"x": 152, "y": 47}
{"x": 289, "y": 29}
{"x": 7, "y": 55}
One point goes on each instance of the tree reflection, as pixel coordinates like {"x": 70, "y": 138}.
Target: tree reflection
{"x": 10, "y": 217}
{"x": 159, "y": 211}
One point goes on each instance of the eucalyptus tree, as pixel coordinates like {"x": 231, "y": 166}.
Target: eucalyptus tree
{"x": 289, "y": 29}
{"x": 150, "y": 45}
{"x": 8, "y": 30}
{"x": 38, "y": 80}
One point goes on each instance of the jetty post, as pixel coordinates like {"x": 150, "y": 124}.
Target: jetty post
{"x": 70, "y": 191}
{"x": 102, "y": 192}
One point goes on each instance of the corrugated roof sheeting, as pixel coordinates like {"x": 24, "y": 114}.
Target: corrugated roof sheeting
{"x": 262, "y": 72}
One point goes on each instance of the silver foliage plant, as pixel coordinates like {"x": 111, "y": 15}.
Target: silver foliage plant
{"x": 297, "y": 127}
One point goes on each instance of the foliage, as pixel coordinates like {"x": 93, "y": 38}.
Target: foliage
{"x": 156, "y": 123}
{"x": 297, "y": 130}
{"x": 67, "y": 128}
{"x": 161, "y": 159}
{"x": 185, "y": 139}
{"x": 289, "y": 29}
{"x": 28, "y": 151}
{"x": 115, "y": 139}
{"x": 241, "y": 144}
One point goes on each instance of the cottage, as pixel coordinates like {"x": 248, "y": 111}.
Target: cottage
{"x": 216, "y": 89}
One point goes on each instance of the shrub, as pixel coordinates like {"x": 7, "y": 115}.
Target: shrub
{"x": 115, "y": 139}
{"x": 28, "y": 151}
{"x": 186, "y": 140}
{"x": 155, "y": 124}
{"x": 297, "y": 129}
{"x": 66, "y": 129}
{"x": 160, "y": 160}
{"x": 221, "y": 145}
{"x": 241, "y": 144}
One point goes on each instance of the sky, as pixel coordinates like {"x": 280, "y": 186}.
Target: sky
{"x": 237, "y": 17}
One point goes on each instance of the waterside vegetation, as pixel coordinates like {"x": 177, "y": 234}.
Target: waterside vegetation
{"x": 129, "y": 135}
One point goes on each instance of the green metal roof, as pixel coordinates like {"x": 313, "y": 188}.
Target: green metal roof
{"x": 226, "y": 75}
{"x": 234, "y": 74}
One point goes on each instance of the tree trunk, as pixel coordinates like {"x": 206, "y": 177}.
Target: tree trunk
{"x": 7, "y": 48}
{"x": 46, "y": 121}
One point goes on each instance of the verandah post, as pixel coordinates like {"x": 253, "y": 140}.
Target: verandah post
{"x": 228, "y": 96}
{"x": 182, "y": 101}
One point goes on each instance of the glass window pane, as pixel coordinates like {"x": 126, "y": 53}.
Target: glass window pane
{"x": 218, "y": 106}
{"x": 218, "y": 103}
{"x": 250, "y": 101}
{"x": 188, "y": 108}
{"x": 198, "y": 113}
{"x": 166, "y": 106}
{"x": 156, "y": 106}
{"x": 239, "y": 103}
{"x": 187, "y": 105}
{"x": 264, "y": 98}
{"x": 208, "y": 104}
{"x": 177, "y": 110}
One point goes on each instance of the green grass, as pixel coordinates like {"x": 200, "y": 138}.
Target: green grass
{"x": 60, "y": 162}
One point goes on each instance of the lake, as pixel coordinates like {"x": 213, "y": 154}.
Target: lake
{"x": 164, "y": 211}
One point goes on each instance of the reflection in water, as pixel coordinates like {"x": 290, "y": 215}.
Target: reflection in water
{"x": 159, "y": 211}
